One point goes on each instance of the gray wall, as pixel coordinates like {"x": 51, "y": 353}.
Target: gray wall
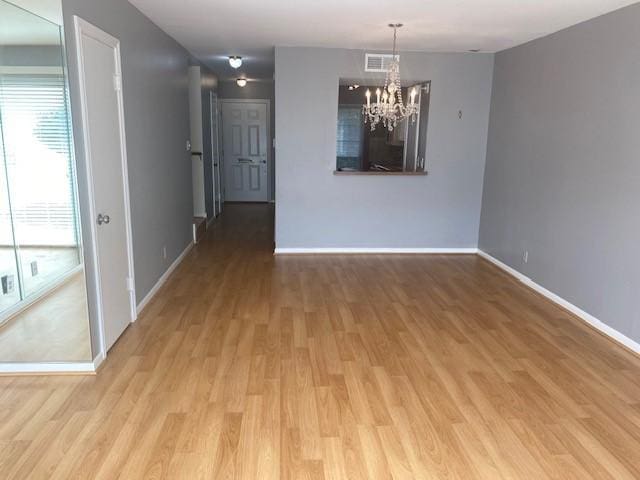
{"x": 154, "y": 69}
{"x": 255, "y": 90}
{"x": 563, "y": 175}
{"x": 315, "y": 208}
{"x": 261, "y": 89}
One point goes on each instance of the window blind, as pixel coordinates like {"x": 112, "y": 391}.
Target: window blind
{"x": 37, "y": 154}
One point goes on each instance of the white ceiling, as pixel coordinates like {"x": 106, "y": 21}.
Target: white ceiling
{"x": 213, "y": 29}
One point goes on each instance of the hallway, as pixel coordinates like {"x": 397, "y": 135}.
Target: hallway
{"x": 247, "y": 365}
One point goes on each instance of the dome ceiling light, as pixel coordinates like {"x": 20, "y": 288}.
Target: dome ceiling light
{"x": 235, "y": 61}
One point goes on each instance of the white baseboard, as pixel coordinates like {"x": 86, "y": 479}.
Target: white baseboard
{"x": 47, "y": 368}
{"x": 374, "y": 251}
{"x": 143, "y": 303}
{"x": 98, "y": 361}
{"x": 503, "y": 266}
{"x": 577, "y": 311}
{"x": 51, "y": 368}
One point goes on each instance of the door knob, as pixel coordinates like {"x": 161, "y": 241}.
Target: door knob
{"x": 103, "y": 219}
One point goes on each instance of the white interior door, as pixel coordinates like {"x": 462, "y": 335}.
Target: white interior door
{"x": 217, "y": 197}
{"x": 197, "y": 160}
{"x": 103, "y": 122}
{"x": 245, "y": 147}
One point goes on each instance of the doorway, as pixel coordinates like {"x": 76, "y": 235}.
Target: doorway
{"x": 246, "y": 147}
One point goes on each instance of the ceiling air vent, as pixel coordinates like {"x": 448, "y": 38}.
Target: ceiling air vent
{"x": 377, "y": 62}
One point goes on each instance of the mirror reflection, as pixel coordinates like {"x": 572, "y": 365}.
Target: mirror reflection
{"x": 361, "y": 148}
{"x": 43, "y": 306}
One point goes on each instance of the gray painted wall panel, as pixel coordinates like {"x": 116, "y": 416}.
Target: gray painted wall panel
{"x": 563, "y": 177}
{"x": 315, "y": 208}
{"x": 156, "y": 111}
{"x": 262, "y": 89}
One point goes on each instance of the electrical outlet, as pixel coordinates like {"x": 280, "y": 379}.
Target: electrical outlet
{"x": 525, "y": 256}
{"x": 8, "y": 284}
{"x": 164, "y": 252}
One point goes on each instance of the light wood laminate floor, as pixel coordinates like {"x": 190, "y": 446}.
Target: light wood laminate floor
{"x": 339, "y": 367}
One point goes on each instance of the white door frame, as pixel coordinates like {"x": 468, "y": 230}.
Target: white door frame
{"x": 82, "y": 27}
{"x": 220, "y": 155}
{"x": 267, "y": 102}
{"x": 215, "y": 151}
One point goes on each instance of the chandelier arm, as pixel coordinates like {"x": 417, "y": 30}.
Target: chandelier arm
{"x": 389, "y": 109}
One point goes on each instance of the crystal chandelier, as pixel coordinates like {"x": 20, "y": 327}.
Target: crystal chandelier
{"x": 389, "y": 107}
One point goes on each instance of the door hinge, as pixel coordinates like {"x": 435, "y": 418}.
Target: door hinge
{"x": 117, "y": 82}
{"x": 129, "y": 284}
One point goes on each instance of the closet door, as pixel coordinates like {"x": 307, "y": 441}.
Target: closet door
{"x": 9, "y": 282}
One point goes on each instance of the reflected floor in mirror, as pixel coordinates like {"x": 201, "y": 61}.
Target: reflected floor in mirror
{"x": 54, "y": 329}
{"x": 51, "y": 261}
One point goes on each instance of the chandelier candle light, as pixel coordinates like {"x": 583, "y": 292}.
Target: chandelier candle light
{"x": 389, "y": 107}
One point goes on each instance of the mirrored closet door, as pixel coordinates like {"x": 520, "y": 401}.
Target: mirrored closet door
{"x": 43, "y": 303}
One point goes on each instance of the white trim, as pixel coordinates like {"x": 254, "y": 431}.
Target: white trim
{"x": 503, "y": 266}
{"x": 47, "y": 368}
{"x": 82, "y": 27}
{"x": 125, "y": 178}
{"x": 215, "y": 150}
{"x": 213, "y": 153}
{"x": 365, "y": 250}
{"x": 165, "y": 276}
{"x": 577, "y": 311}
{"x": 98, "y": 360}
